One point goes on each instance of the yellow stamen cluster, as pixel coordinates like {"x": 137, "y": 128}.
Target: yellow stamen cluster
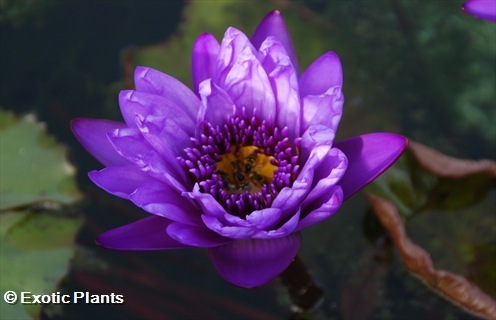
{"x": 245, "y": 168}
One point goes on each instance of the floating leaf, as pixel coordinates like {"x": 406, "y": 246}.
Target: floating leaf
{"x": 35, "y": 245}
{"x": 461, "y": 182}
{"x": 417, "y": 260}
{"x": 36, "y": 248}
{"x": 425, "y": 178}
{"x": 33, "y": 166}
{"x": 450, "y": 212}
{"x": 55, "y": 230}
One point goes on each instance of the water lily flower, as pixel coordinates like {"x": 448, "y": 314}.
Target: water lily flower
{"x": 484, "y": 9}
{"x": 240, "y": 164}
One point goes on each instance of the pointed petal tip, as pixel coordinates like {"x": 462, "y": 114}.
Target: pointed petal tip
{"x": 139, "y": 70}
{"x": 272, "y": 13}
{"x": 369, "y": 155}
{"x": 74, "y": 122}
{"x": 140, "y": 74}
{"x": 78, "y": 125}
{"x": 482, "y": 9}
{"x": 273, "y": 25}
{"x": 125, "y": 94}
{"x": 203, "y": 41}
{"x": 145, "y": 234}
{"x": 92, "y": 134}
{"x": 323, "y": 74}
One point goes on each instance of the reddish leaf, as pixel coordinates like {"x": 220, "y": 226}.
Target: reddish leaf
{"x": 449, "y": 167}
{"x": 453, "y": 287}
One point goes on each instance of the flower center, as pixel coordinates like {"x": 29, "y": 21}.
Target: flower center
{"x": 245, "y": 168}
{"x": 243, "y": 163}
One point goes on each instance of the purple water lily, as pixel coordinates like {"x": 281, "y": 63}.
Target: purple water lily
{"x": 241, "y": 164}
{"x": 484, "y": 9}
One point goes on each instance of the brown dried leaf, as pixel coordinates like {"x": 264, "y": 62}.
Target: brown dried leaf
{"x": 451, "y": 286}
{"x": 448, "y": 167}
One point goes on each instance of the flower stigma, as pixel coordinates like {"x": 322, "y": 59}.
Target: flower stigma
{"x": 243, "y": 163}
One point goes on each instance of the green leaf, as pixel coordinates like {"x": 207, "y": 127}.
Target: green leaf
{"x": 413, "y": 186}
{"x": 33, "y": 166}
{"x": 36, "y": 248}
{"x": 55, "y": 231}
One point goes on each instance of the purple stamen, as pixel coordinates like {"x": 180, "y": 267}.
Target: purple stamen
{"x": 243, "y": 187}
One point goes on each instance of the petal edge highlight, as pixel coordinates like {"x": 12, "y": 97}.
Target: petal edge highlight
{"x": 273, "y": 25}
{"x": 483, "y": 9}
{"x": 368, "y": 155}
{"x": 145, "y": 234}
{"x": 92, "y": 134}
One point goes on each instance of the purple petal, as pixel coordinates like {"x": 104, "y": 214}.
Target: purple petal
{"x": 205, "y": 52}
{"x": 92, "y": 134}
{"x": 155, "y": 82}
{"x": 318, "y": 151}
{"x": 284, "y": 82}
{"x": 195, "y": 236}
{"x": 233, "y": 43}
{"x": 160, "y": 199}
{"x": 273, "y": 25}
{"x": 331, "y": 204}
{"x": 259, "y": 219}
{"x": 134, "y": 103}
{"x": 368, "y": 156}
{"x": 229, "y": 231}
{"x": 167, "y": 137}
{"x": 253, "y": 262}
{"x": 242, "y": 75}
{"x": 131, "y": 144}
{"x": 325, "y": 109}
{"x": 323, "y": 74}
{"x": 289, "y": 199}
{"x": 484, "y": 9}
{"x": 254, "y": 226}
{"x": 145, "y": 234}
{"x": 207, "y": 202}
{"x": 153, "y": 164}
{"x": 120, "y": 181}
{"x": 265, "y": 218}
{"x": 287, "y": 228}
{"x": 315, "y": 145}
{"x": 314, "y": 136}
{"x": 326, "y": 176}
{"x": 216, "y": 106}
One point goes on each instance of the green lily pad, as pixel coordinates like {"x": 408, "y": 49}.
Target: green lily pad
{"x": 55, "y": 230}
{"x": 33, "y": 166}
{"x": 36, "y": 246}
{"x": 424, "y": 179}
{"x": 36, "y": 249}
